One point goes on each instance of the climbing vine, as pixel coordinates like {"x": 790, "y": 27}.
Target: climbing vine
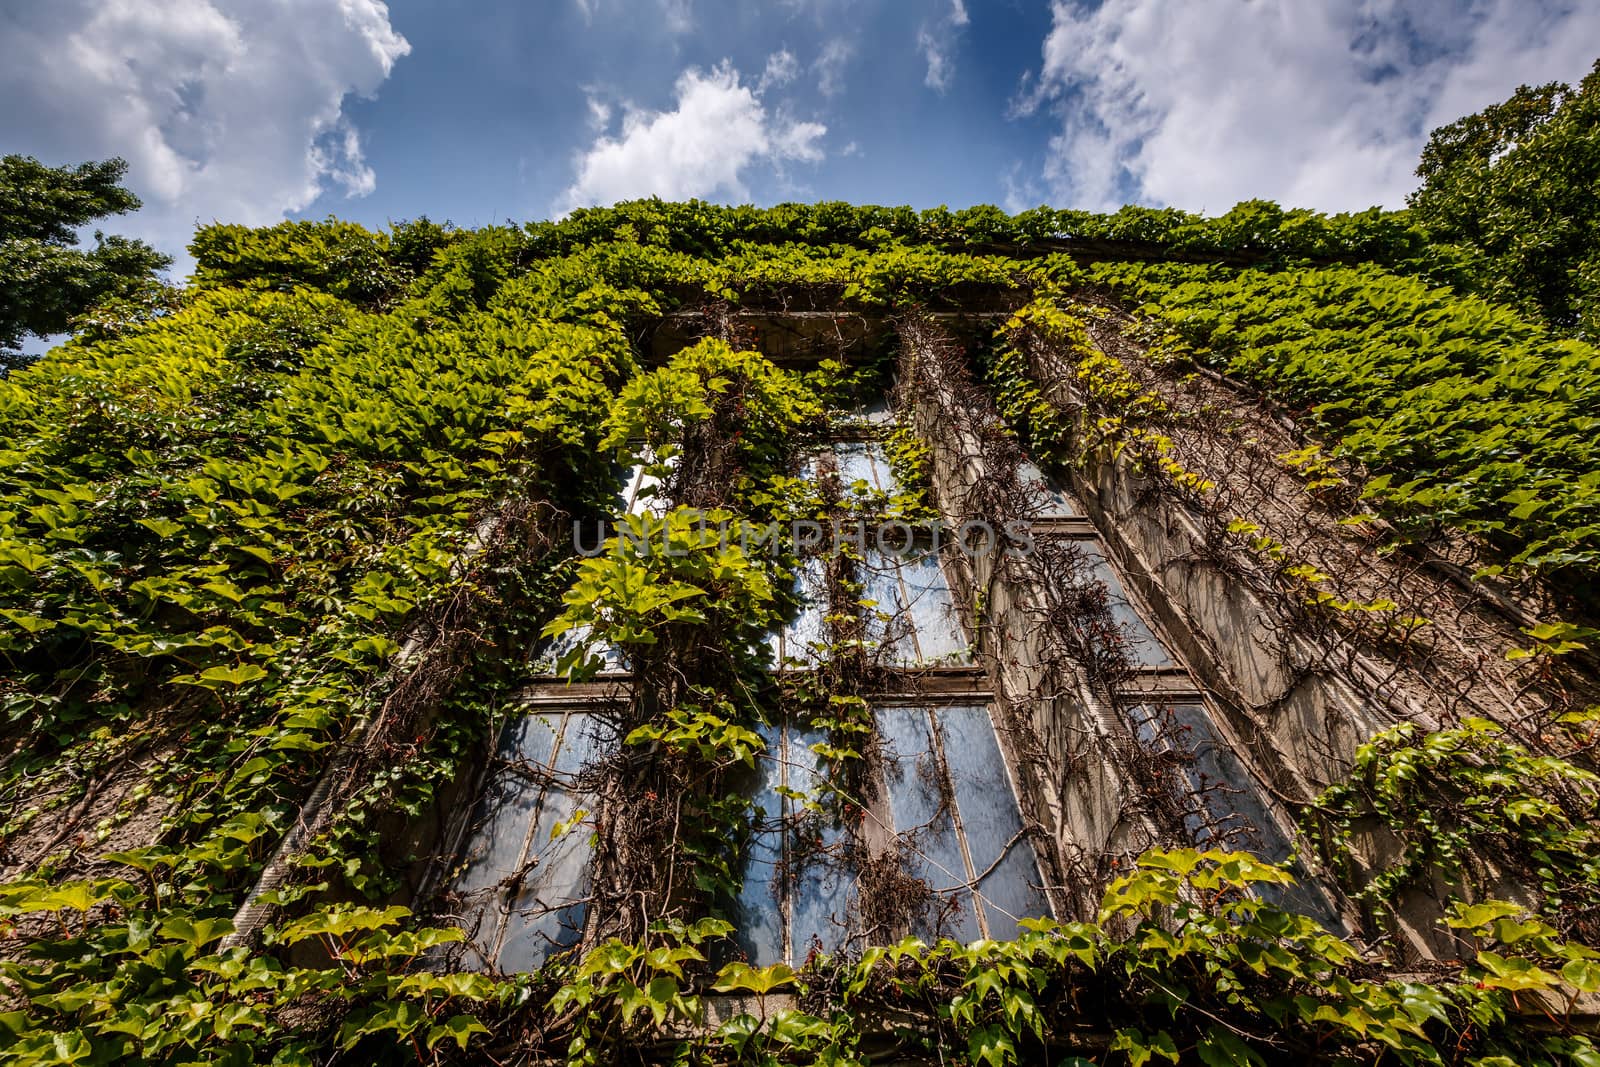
{"x": 275, "y": 557}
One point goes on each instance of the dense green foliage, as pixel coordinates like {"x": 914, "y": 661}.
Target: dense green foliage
{"x": 218, "y": 528}
{"x": 1467, "y": 798}
{"x": 1466, "y": 414}
{"x": 1516, "y": 188}
{"x": 1256, "y": 229}
{"x": 213, "y": 533}
{"x": 46, "y": 284}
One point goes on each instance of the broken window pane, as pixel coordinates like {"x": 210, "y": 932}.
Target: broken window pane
{"x": 525, "y": 889}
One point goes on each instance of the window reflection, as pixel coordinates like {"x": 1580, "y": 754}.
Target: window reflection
{"x": 1050, "y": 502}
{"x": 957, "y": 828}
{"x": 1142, "y": 648}
{"x": 865, "y": 461}
{"x": 951, "y": 799}
{"x": 913, "y": 617}
{"x": 797, "y": 879}
{"x": 523, "y": 888}
{"x": 1228, "y": 805}
{"x": 799, "y": 642}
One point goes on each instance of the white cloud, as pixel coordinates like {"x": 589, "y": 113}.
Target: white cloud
{"x": 599, "y": 113}
{"x": 1318, "y": 103}
{"x": 939, "y": 67}
{"x": 679, "y": 15}
{"x": 798, "y": 141}
{"x": 1019, "y": 192}
{"x": 782, "y": 68}
{"x": 225, "y": 109}
{"x": 937, "y": 40}
{"x": 702, "y": 147}
{"x": 830, "y": 64}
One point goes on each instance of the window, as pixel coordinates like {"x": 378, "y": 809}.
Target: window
{"x": 913, "y": 616}
{"x": 1228, "y": 809}
{"x": 946, "y": 811}
{"x": 931, "y": 837}
{"x": 939, "y": 827}
{"x": 1143, "y": 649}
{"x": 797, "y": 878}
{"x": 640, "y": 492}
{"x": 523, "y": 885}
{"x": 1050, "y": 501}
{"x": 953, "y": 800}
{"x": 1227, "y": 805}
{"x": 798, "y": 641}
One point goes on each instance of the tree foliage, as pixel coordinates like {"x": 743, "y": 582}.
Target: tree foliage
{"x": 1516, "y": 187}
{"x": 45, "y": 281}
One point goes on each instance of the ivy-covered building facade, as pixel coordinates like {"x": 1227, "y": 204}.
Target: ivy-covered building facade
{"x": 816, "y": 634}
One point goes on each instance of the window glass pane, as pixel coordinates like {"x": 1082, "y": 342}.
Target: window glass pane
{"x": 865, "y": 461}
{"x": 639, "y": 495}
{"x": 1051, "y": 501}
{"x": 1233, "y": 813}
{"x": 757, "y": 914}
{"x": 914, "y": 617}
{"x": 937, "y": 624}
{"x": 640, "y": 490}
{"x": 823, "y": 885}
{"x": 509, "y": 806}
{"x": 1143, "y": 648}
{"x": 548, "y": 657}
{"x": 798, "y": 639}
{"x": 512, "y": 847}
{"x": 1011, "y": 891}
{"x": 922, "y": 818}
{"x": 547, "y": 914}
{"x": 821, "y": 880}
{"x": 875, "y": 413}
{"x": 795, "y": 874}
{"x": 1001, "y": 856}
{"x": 888, "y": 622}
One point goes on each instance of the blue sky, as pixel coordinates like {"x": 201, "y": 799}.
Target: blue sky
{"x": 257, "y": 110}
{"x": 508, "y": 87}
